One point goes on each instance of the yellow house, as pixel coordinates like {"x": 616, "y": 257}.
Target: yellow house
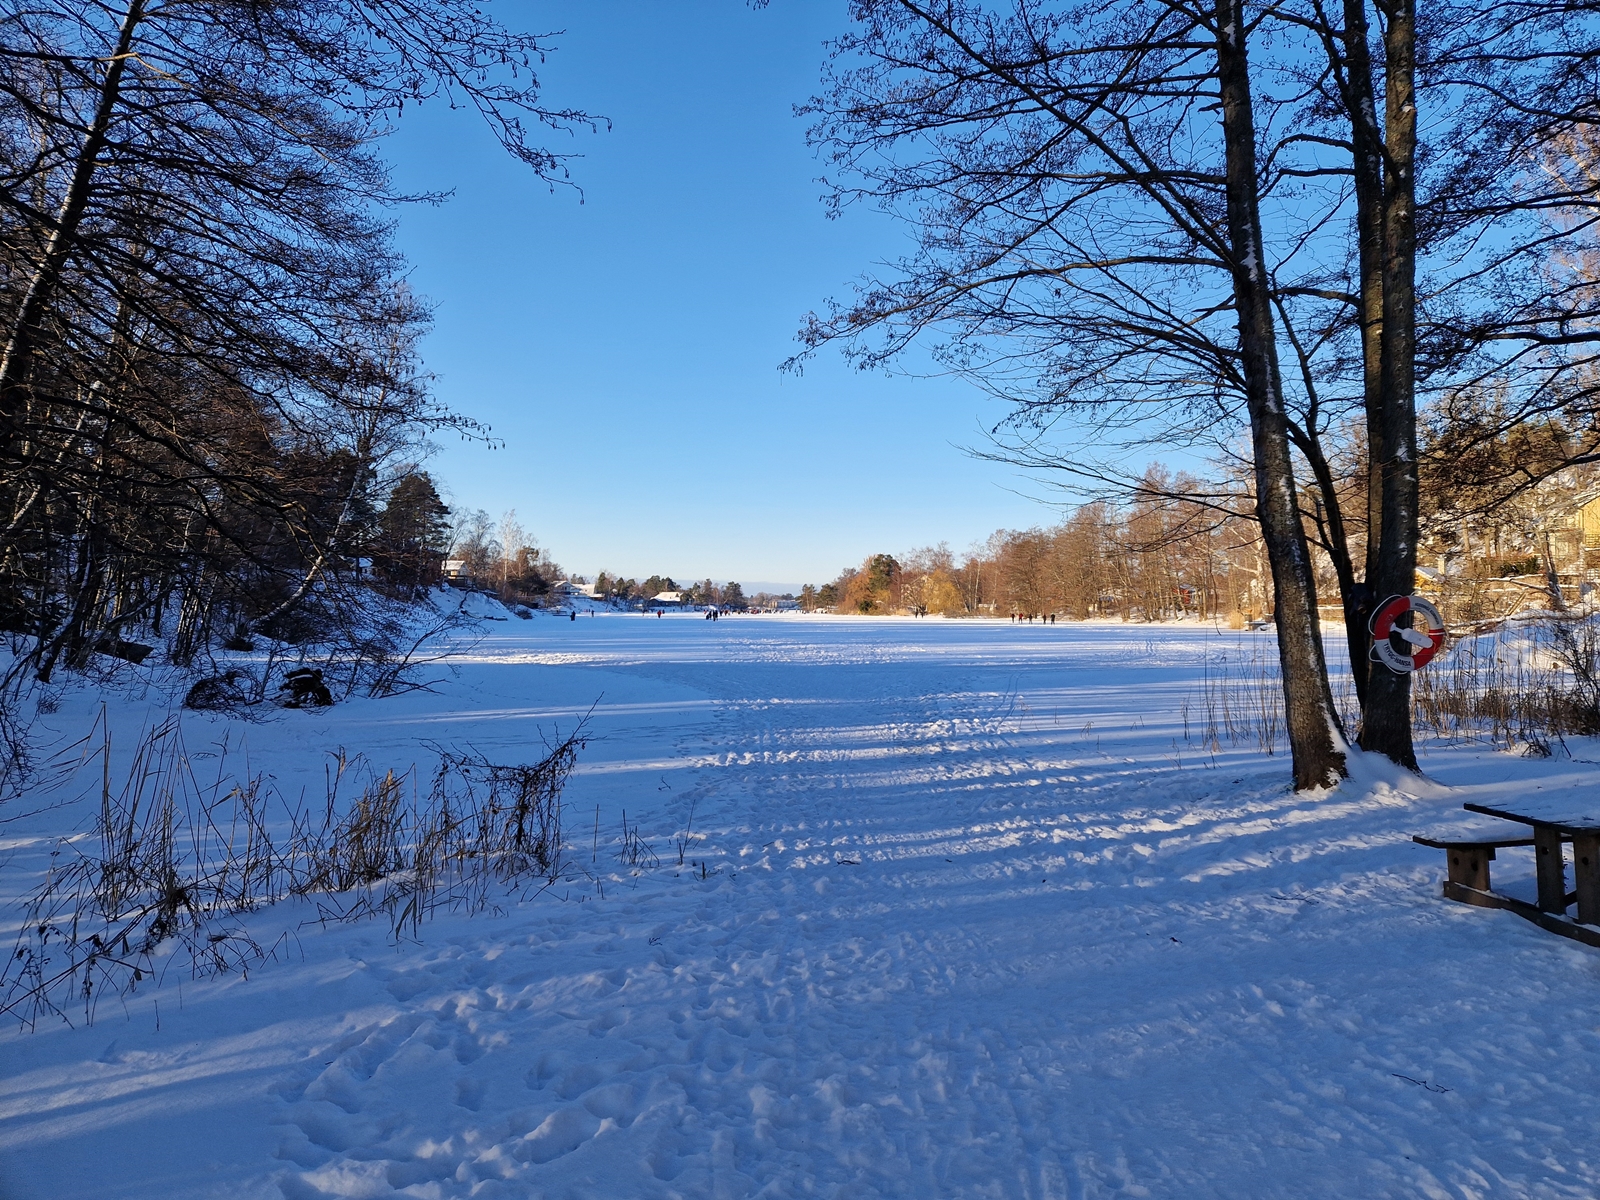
{"x": 1585, "y": 522}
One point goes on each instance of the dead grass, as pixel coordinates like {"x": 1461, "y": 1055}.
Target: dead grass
{"x": 176, "y": 862}
{"x": 1239, "y": 700}
{"x": 1521, "y": 687}
{"x": 1524, "y": 687}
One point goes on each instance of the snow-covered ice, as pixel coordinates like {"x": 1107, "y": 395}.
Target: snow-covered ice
{"x": 975, "y": 920}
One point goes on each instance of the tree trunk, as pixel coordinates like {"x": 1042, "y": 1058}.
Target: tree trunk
{"x": 1367, "y": 143}
{"x": 1558, "y": 602}
{"x": 17, "y": 357}
{"x": 1386, "y": 724}
{"x": 1315, "y": 738}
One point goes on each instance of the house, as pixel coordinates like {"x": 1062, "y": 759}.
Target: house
{"x": 455, "y": 571}
{"x": 568, "y": 587}
{"x": 1486, "y": 565}
{"x": 668, "y": 600}
{"x": 1583, "y": 530}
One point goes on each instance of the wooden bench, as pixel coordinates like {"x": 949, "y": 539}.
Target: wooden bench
{"x": 1467, "y": 871}
{"x": 1467, "y": 862}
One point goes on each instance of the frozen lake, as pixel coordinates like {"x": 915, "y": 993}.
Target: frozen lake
{"x": 970, "y": 911}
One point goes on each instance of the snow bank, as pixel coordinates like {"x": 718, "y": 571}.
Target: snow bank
{"x": 960, "y": 913}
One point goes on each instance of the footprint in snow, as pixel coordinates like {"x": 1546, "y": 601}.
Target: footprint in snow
{"x": 469, "y": 1094}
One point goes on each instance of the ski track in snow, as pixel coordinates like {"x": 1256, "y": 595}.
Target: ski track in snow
{"x": 975, "y": 921}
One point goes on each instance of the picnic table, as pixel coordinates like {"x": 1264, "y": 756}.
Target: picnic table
{"x": 1555, "y": 822}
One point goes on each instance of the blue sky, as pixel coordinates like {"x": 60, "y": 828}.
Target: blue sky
{"x": 625, "y": 349}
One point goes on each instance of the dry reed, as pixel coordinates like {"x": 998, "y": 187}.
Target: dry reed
{"x": 175, "y": 863}
{"x": 1519, "y": 686}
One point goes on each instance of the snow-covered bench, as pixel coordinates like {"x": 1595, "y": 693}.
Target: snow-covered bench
{"x": 1467, "y": 867}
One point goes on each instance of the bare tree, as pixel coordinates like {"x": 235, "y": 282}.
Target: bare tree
{"x": 1085, "y": 211}
{"x": 512, "y": 540}
{"x": 1089, "y": 251}
{"x": 206, "y": 356}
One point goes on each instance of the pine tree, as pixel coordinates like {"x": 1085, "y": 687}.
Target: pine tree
{"x": 413, "y": 534}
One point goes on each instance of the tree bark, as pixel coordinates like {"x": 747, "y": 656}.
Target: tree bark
{"x": 1316, "y": 740}
{"x": 1386, "y": 723}
{"x": 1558, "y": 602}
{"x": 1350, "y": 61}
{"x": 1367, "y": 144}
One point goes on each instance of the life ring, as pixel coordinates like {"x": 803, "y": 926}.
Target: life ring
{"x": 1400, "y": 649}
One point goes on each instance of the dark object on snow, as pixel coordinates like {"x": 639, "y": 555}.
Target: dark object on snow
{"x": 217, "y": 693}
{"x": 305, "y": 689}
{"x": 132, "y": 652}
{"x": 525, "y": 613}
{"x": 239, "y": 641}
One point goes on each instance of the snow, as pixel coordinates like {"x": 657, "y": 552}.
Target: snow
{"x": 1573, "y": 808}
{"x": 975, "y": 920}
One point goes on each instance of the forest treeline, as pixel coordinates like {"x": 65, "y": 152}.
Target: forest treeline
{"x": 1148, "y": 560}
{"x": 211, "y": 404}
{"x": 1176, "y": 546}
{"x": 704, "y": 593}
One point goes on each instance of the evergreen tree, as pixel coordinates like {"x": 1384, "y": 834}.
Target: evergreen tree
{"x": 413, "y": 534}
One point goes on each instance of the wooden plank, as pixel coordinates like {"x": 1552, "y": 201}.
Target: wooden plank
{"x": 1528, "y": 912}
{"x": 1552, "y": 870}
{"x": 1586, "y": 870}
{"x": 1568, "y": 814}
{"x": 1489, "y": 843}
{"x": 1474, "y": 896}
{"x": 1469, "y": 866}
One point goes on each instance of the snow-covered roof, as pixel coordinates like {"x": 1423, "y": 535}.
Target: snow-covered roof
{"x": 667, "y": 598}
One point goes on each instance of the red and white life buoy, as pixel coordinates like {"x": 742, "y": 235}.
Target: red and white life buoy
{"x": 1401, "y": 649}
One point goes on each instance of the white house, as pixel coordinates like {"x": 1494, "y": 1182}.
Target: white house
{"x": 568, "y": 588}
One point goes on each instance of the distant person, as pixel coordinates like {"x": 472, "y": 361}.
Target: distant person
{"x": 573, "y": 614}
